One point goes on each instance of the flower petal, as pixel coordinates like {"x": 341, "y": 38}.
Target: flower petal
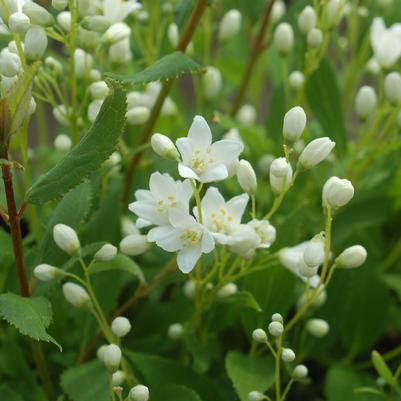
{"x": 186, "y": 172}
{"x": 166, "y": 237}
{"x": 188, "y": 257}
{"x": 181, "y": 218}
{"x": 200, "y": 133}
{"x": 214, "y": 173}
{"x": 236, "y": 206}
{"x": 227, "y": 150}
{"x": 207, "y": 242}
{"x": 184, "y": 146}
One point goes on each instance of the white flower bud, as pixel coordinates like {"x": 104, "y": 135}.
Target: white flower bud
{"x": 189, "y": 289}
{"x": 10, "y": 63}
{"x": 265, "y": 231}
{"x": 392, "y": 87}
{"x": 19, "y": 22}
{"x": 307, "y": 19}
{"x": 118, "y": 378}
{"x": 7, "y": 82}
{"x": 280, "y": 175}
{"x": 294, "y": 123}
{"x": 284, "y": 38}
{"x": 173, "y": 35}
{"x": 256, "y": 396}
{"x": 138, "y": 115}
{"x": 64, "y": 20}
{"x": 277, "y": 317}
{"x": 116, "y": 32}
{"x": 246, "y": 115}
{"x": 365, "y": 102}
{"x": 63, "y": 143}
{"x": 314, "y": 252}
{"x": 227, "y": 290}
{"x": 120, "y": 326}
{"x": 373, "y": 66}
{"x": 139, "y": 393}
{"x": 128, "y": 227}
{"x": 175, "y": 331}
{"x": 54, "y": 65}
{"x": 300, "y": 372}
{"x": 287, "y": 355}
{"x": 37, "y": 14}
{"x": 233, "y": 135}
{"x": 59, "y": 5}
{"x": 66, "y": 238}
{"x": 314, "y": 39}
{"x": 352, "y": 257}
{"x": 230, "y": 25}
{"x": 93, "y": 109}
{"x": 296, "y": 79}
{"x": 164, "y": 146}
{"x": 46, "y": 272}
{"x": 307, "y": 271}
{"x": 35, "y": 43}
{"x": 100, "y": 352}
{"x": 120, "y": 52}
{"x": 83, "y": 63}
{"x": 278, "y": 11}
{"x": 246, "y": 177}
{"x": 337, "y": 192}
{"x": 112, "y": 357}
{"x": 276, "y": 329}
{"x": 260, "y": 336}
{"x": 134, "y": 244}
{"x": 98, "y": 90}
{"x": 212, "y": 82}
{"x": 75, "y": 294}
{"x": 106, "y": 253}
{"x": 96, "y": 23}
{"x": 315, "y": 152}
{"x": 317, "y": 327}
{"x": 335, "y": 11}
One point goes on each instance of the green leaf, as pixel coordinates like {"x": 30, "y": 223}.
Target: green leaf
{"x": 175, "y": 393}
{"x": 249, "y": 373}
{"x": 120, "y": 262}
{"x": 382, "y": 369}
{"x": 97, "y": 145}
{"x": 31, "y": 316}
{"x": 88, "y": 382}
{"x": 168, "y": 67}
{"x": 393, "y": 281}
{"x": 243, "y": 299}
{"x": 324, "y": 99}
{"x": 7, "y": 394}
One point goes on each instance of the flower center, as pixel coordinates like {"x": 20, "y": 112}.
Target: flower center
{"x": 164, "y": 204}
{"x": 201, "y": 159}
{"x": 190, "y": 237}
{"x": 221, "y": 220}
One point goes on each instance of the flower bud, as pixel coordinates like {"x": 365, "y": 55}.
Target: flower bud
{"x": 66, "y": 238}
{"x": 189, "y": 289}
{"x": 75, "y": 294}
{"x": 256, "y": 396}
{"x": 120, "y": 52}
{"x": 164, "y": 146}
{"x": 265, "y": 231}
{"x": 280, "y": 175}
{"x": 120, "y": 326}
{"x": 212, "y": 82}
{"x": 335, "y": 11}
{"x": 83, "y": 63}
{"x": 352, "y": 257}
{"x": 278, "y": 11}
{"x": 138, "y": 115}
{"x": 284, "y": 38}
{"x": 277, "y": 317}
{"x": 260, "y": 336}
{"x": 62, "y": 114}
{"x": 307, "y": 19}
{"x": 118, "y": 377}
{"x": 134, "y": 244}
{"x": 116, "y": 32}
{"x": 93, "y": 109}
{"x": 112, "y": 357}
{"x": 46, "y": 272}
{"x": 373, "y": 66}
{"x": 98, "y": 89}
{"x": 106, "y": 253}
{"x": 287, "y": 355}
{"x": 246, "y": 177}
{"x": 54, "y": 65}
{"x": 246, "y": 115}
{"x": 315, "y": 152}
{"x": 314, "y": 39}
{"x": 230, "y": 25}
{"x": 307, "y": 271}
{"x": 337, "y": 192}
{"x": 294, "y": 123}
{"x": 296, "y": 79}
{"x": 300, "y": 372}
{"x": 276, "y": 329}
{"x": 64, "y": 20}
{"x": 19, "y": 22}
{"x": 392, "y": 87}
{"x": 35, "y": 43}
{"x": 10, "y": 63}
{"x": 365, "y": 102}
{"x": 227, "y": 290}
{"x": 139, "y": 393}
{"x": 63, "y": 143}
{"x": 314, "y": 252}
{"x": 317, "y": 327}
{"x": 96, "y": 23}
{"x": 100, "y": 352}
{"x": 175, "y": 331}
{"x": 59, "y": 5}
{"x": 173, "y": 35}
{"x": 37, "y": 14}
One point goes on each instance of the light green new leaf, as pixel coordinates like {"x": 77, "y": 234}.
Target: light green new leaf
{"x": 168, "y": 67}
{"x": 120, "y": 262}
{"x": 242, "y": 299}
{"x": 249, "y": 373}
{"x": 31, "y": 316}
{"x": 98, "y": 144}
{"x": 382, "y": 369}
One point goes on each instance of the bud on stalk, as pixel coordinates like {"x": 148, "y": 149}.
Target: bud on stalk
{"x": 246, "y": 177}
{"x": 352, "y": 257}
{"x": 164, "y": 146}
{"x": 230, "y": 25}
{"x": 294, "y": 123}
{"x": 337, "y": 192}
{"x": 75, "y": 294}
{"x": 66, "y": 238}
{"x": 315, "y": 152}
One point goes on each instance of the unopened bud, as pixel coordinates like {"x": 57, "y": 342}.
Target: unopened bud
{"x": 63, "y": 143}
{"x": 138, "y": 115}
{"x": 294, "y": 123}
{"x": 35, "y": 43}
{"x": 315, "y": 152}
{"x": 10, "y": 63}
{"x": 46, "y": 272}
{"x": 317, "y": 327}
{"x": 296, "y": 79}
{"x": 337, "y": 192}
{"x": 118, "y": 378}
{"x": 106, "y": 253}
{"x": 314, "y": 252}
{"x": 96, "y": 23}
{"x": 280, "y": 175}
{"x": 365, "y": 102}
{"x": 117, "y": 32}
{"x": 277, "y": 317}
{"x": 19, "y": 22}
{"x": 173, "y": 34}
{"x": 190, "y": 289}
{"x": 256, "y": 396}
{"x": 83, "y": 63}
{"x": 100, "y": 352}
{"x": 246, "y": 177}
{"x": 278, "y": 10}
{"x": 260, "y": 336}
{"x": 64, "y": 20}
{"x": 37, "y": 14}
{"x": 352, "y": 257}
{"x": 98, "y": 89}
{"x": 112, "y": 357}
{"x": 212, "y": 82}
{"x": 54, "y": 65}
{"x": 300, "y": 372}
{"x": 175, "y": 331}
{"x": 230, "y": 25}
{"x": 134, "y": 244}
{"x": 276, "y": 329}
{"x": 307, "y": 19}
{"x": 392, "y": 87}
{"x": 59, "y": 5}
{"x": 164, "y": 146}
{"x": 284, "y": 38}
{"x": 139, "y": 393}
{"x": 75, "y": 294}
{"x": 314, "y": 39}
{"x": 120, "y": 326}
{"x": 246, "y": 115}
{"x": 66, "y": 238}
{"x": 287, "y": 355}
{"x": 227, "y": 290}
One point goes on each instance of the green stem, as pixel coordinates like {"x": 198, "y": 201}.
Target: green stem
{"x": 287, "y": 390}
{"x": 277, "y": 368}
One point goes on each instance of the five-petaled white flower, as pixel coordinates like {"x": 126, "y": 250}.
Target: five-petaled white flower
{"x": 184, "y": 235}
{"x": 202, "y": 160}
{"x": 152, "y": 205}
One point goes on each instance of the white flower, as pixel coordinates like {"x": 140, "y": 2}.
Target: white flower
{"x": 118, "y": 10}
{"x": 260, "y": 336}
{"x": 278, "y": 10}
{"x": 294, "y": 123}
{"x": 116, "y": 32}
{"x": 120, "y": 326}
{"x": 265, "y": 231}
{"x": 296, "y": 79}
{"x": 300, "y": 372}
{"x": 352, "y": 257}
{"x": 83, "y": 62}
{"x": 246, "y": 115}
{"x": 120, "y": 52}
{"x": 152, "y": 206}
{"x": 314, "y": 252}
{"x": 66, "y": 238}
{"x": 10, "y": 63}
{"x": 75, "y": 294}
{"x": 64, "y": 20}
{"x": 186, "y": 236}
{"x": 230, "y": 25}
{"x": 202, "y": 160}
{"x": 316, "y": 151}
{"x": 19, "y": 22}
{"x": 337, "y": 192}
{"x": 386, "y": 42}
{"x": 392, "y": 87}
{"x": 287, "y": 355}
{"x": 98, "y": 90}
{"x": 139, "y": 393}
{"x": 138, "y": 115}
{"x": 244, "y": 240}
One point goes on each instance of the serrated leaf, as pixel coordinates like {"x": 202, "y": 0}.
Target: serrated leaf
{"x": 97, "y": 145}
{"x": 382, "y": 369}
{"x": 243, "y": 299}
{"x": 31, "y": 316}
{"x": 249, "y": 373}
{"x": 168, "y": 67}
{"x": 120, "y": 262}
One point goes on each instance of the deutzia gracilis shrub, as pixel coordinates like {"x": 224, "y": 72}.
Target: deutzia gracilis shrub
{"x": 200, "y": 200}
